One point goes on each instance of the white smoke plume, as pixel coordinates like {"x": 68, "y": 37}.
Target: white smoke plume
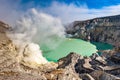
{"x": 40, "y": 28}
{"x": 36, "y": 29}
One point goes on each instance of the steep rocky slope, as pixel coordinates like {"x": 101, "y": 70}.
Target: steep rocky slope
{"x": 104, "y": 29}
{"x": 10, "y": 67}
{"x": 13, "y": 67}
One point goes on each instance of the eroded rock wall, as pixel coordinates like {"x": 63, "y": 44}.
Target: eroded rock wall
{"x": 105, "y": 29}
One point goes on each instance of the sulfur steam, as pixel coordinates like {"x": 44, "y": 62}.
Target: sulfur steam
{"x": 33, "y": 30}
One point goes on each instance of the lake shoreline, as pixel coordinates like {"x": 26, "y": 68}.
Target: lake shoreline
{"x": 84, "y": 48}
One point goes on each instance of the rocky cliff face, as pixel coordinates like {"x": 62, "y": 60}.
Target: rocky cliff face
{"x": 104, "y": 29}
{"x": 10, "y": 65}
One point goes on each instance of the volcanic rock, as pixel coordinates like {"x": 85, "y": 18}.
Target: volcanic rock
{"x": 97, "y": 66}
{"x": 86, "y": 77}
{"x": 100, "y": 75}
{"x": 69, "y": 61}
{"x": 104, "y": 29}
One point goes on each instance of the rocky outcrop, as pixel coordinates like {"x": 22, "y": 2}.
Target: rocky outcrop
{"x": 94, "y": 67}
{"x": 104, "y": 29}
{"x": 10, "y": 66}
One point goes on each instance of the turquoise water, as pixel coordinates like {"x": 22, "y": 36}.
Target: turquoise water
{"x": 102, "y": 46}
{"x": 73, "y": 45}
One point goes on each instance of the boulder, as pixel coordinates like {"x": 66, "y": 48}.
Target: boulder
{"x": 101, "y": 75}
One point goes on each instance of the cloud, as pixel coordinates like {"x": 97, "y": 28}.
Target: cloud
{"x": 39, "y": 28}
{"x": 70, "y": 13}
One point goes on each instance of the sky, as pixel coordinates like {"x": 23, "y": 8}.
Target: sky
{"x": 90, "y": 3}
{"x": 66, "y": 10}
